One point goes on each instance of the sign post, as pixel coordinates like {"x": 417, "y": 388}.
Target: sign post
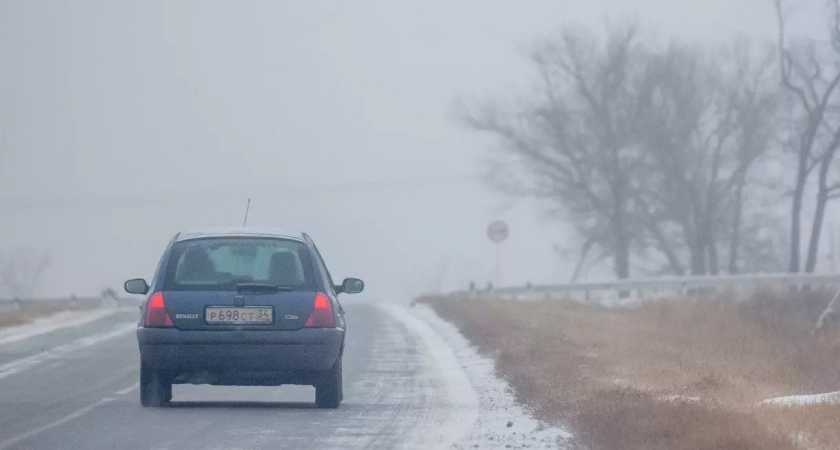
{"x": 498, "y": 232}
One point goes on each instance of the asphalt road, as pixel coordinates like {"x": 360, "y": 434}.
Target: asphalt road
{"x": 76, "y": 388}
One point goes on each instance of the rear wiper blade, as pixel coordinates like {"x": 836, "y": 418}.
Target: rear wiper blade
{"x": 261, "y": 287}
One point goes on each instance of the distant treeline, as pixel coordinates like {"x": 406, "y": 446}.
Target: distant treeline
{"x": 676, "y": 158}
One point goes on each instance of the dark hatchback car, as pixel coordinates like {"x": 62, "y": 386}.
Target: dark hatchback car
{"x": 241, "y": 307}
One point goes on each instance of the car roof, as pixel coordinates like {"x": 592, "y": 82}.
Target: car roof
{"x": 241, "y": 232}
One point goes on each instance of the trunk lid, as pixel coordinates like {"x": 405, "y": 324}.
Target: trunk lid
{"x": 289, "y": 309}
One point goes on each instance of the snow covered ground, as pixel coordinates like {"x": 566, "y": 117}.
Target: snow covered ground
{"x": 802, "y": 400}
{"x": 498, "y": 421}
{"x": 57, "y": 321}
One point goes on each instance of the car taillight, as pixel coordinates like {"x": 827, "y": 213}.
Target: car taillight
{"x": 322, "y": 316}
{"x": 156, "y": 315}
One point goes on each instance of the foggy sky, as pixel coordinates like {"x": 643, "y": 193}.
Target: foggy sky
{"x": 123, "y": 122}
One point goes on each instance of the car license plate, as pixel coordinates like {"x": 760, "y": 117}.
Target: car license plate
{"x": 246, "y": 315}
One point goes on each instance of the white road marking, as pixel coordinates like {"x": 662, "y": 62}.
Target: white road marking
{"x": 128, "y": 389}
{"x": 72, "y": 416}
{"x": 22, "y": 364}
{"x": 57, "y": 321}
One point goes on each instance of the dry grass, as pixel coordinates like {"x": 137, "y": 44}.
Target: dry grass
{"x": 29, "y": 312}
{"x": 606, "y": 372}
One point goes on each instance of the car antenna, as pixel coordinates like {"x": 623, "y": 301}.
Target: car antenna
{"x": 247, "y": 208}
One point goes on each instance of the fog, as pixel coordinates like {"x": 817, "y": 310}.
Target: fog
{"x": 122, "y": 123}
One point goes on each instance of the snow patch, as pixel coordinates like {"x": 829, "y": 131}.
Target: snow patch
{"x": 460, "y": 411}
{"x": 57, "y": 321}
{"x": 679, "y": 398}
{"x": 501, "y": 422}
{"x": 803, "y": 400}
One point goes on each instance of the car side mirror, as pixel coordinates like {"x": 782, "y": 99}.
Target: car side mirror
{"x": 136, "y": 286}
{"x": 352, "y": 286}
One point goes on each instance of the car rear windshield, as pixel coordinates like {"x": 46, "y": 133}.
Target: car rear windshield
{"x": 222, "y": 264}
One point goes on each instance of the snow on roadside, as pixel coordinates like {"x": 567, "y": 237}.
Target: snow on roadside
{"x": 57, "y": 321}
{"x": 803, "y": 400}
{"x": 679, "y": 399}
{"x": 501, "y": 422}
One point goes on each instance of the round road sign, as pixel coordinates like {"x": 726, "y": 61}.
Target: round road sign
{"x": 497, "y": 231}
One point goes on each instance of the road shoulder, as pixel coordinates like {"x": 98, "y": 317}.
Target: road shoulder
{"x": 483, "y": 412}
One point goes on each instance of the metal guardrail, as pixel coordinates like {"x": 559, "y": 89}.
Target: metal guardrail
{"x": 641, "y": 286}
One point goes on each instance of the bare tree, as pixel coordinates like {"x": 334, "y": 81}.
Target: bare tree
{"x": 810, "y": 74}
{"x": 583, "y": 259}
{"x": 22, "y": 271}
{"x": 645, "y": 151}
{"x": 707, "y": 121}
{"x": 573, "y": 145}
{"x": 752, "y": 95}
{"x": 680, "y": 123}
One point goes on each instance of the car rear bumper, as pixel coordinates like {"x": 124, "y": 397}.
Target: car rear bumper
{"x": 219, "y": 351}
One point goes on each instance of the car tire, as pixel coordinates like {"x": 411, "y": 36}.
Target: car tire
{"x": 167, "y": 392}
{"x": 154, "y": 389}
{"x": 328, "y": 391}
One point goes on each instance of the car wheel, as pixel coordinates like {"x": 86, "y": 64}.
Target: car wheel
{"x": 154, "y": 390}
{"x": 167, "y": 393}
{"x": 328, "y": 391}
